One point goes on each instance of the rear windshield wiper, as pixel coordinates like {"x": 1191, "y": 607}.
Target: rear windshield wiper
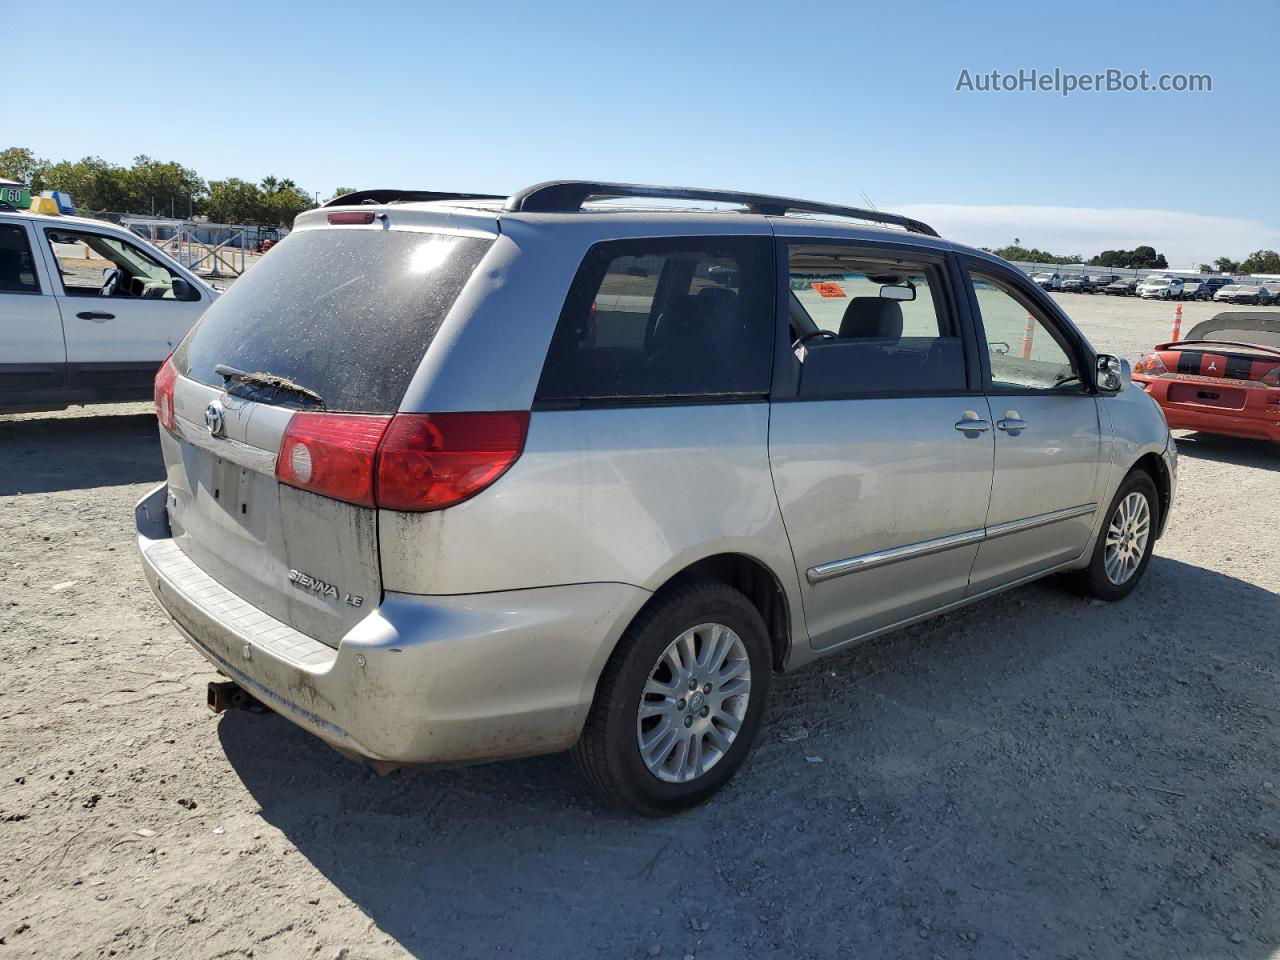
{"x": 272, "y": 381}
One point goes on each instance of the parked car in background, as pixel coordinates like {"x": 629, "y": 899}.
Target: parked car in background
{"x": 1123, "y": 287}
{"x": 1250, "y": 293}
{"x": 1099, "y": 281}
{"x": 1048, "y": 281}
{"x": 1191, "y": 287}
{"x": 88, "y": 311}
{"x": 1075, "y": 283}
{"x": 1160, "y": 288}
{"x": 1211, "y": 285}
{"x": 1223, "y": 377}
{"x": 433, "y": 535}
{"x": 1271, "y": 290}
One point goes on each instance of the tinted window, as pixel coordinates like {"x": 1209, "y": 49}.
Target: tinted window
{"x": 864, "y": 325}
{"x": 1027, "y": 353}
{"x": 663, "y": 318}
{"x": 17, "y": 268}
{"x": 346, "y": 313}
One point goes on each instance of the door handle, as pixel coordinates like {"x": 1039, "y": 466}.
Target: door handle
{"x": 1012, "y": 424}
{"x": 970, "y": 424}
{"x": 96, "y": 317}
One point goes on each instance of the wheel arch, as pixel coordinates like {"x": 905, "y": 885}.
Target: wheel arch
{"x": 1154, "y": 466}
{"x": 752, "y": 578}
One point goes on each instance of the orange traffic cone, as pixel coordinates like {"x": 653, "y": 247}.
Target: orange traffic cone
{"x": 1176, "y": 335}
{"x": 1026, "y": 337}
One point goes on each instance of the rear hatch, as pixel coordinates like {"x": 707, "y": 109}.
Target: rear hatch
{"x": 334, "y": 320}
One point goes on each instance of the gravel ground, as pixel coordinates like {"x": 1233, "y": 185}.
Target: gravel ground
{"x": 1035, "y": 776}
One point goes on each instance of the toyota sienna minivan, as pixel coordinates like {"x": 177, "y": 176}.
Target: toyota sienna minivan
{"x": 454, "y": 478}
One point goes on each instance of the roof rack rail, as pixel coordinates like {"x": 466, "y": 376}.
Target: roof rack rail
{"x": 404, "y": 196}
{"x": 568, "y": 196}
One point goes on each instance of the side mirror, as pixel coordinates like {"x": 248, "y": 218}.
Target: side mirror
{"x": 183, "y": 290}
{"x": 1114, "y": 373}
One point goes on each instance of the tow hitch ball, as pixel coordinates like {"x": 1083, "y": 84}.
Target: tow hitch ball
{"x": 225, "y": 695}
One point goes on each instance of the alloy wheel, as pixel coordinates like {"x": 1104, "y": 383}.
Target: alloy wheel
{"x": 694, "y": 702}
{"x": 1127, "y": 536}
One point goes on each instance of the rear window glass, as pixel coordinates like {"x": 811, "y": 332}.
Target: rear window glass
{"x": 665, "y": 319}
{"x": 348, "y": 314}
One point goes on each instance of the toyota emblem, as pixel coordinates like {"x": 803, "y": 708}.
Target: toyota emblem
{"x": 213, "y": 419}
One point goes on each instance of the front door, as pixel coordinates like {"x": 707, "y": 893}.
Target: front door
{"x": 32, "y": 355}
{"x": 124, "y": 311}
{"x": 1047, "y": 439}
{"x": 880, "y": 440}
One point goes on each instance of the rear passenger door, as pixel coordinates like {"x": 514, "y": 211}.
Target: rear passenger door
{"x": 880, "y": 439}
{"x": 1047, "y": 438}
{"x": 32, "y": 354}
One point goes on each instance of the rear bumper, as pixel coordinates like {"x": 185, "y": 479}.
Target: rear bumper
{"x": 445, "y": 679}
{"x": 1256, "y": 420}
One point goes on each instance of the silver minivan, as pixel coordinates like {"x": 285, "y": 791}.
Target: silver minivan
{"x": 456, "y": 478}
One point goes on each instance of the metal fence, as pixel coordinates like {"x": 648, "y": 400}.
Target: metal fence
{"x": 211, "y": 249}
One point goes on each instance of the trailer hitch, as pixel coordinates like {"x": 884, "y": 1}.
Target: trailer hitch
{"x": 227, "y": 695}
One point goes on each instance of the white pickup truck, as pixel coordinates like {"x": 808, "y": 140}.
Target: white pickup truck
{"x": 88, "y": 311}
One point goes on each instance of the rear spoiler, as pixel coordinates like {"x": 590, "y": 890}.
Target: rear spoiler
{"x": 404, "y": 196}
{"x": 1222, "y": 343}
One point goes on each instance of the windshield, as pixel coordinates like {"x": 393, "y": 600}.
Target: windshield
{"x": 345, "y": 313}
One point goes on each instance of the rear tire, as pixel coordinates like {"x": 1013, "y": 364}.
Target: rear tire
{"x": 1125, "y": 542}
{"x": 692, "y": 666}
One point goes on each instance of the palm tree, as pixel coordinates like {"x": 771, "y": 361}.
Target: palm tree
{"x": 270, "y": 184}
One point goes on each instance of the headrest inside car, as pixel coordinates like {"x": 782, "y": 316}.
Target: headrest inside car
{"x": 872, "y": 317}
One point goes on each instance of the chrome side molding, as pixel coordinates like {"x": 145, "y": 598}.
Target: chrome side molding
{"x": 912, "y": 551}
{"x": 838, "y": 568}
{"x": 1039, "y": 520}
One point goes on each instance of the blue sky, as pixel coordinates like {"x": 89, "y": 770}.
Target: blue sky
{"x": 825, "y": 101}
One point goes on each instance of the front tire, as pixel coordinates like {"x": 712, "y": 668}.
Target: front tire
{"x": 679, "y": 703}
{"x": 1126, "y": 541}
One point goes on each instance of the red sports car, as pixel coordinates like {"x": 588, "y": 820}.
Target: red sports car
{"x": 1222, "y": 378}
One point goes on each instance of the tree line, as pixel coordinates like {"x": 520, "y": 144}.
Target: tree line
{"x": 1140, "y": 258}
{"x": 162, "y": 188}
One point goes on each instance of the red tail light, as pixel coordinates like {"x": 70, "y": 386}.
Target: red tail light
{"x": 163, "y": 393}
{"x": 332, "y": 454}
{"x": 432, "y": 461}
{"x": 413, "y": 461}
{"x": 1150, "y": 364}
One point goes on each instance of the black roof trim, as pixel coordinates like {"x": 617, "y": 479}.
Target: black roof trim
{"x": 404, "y": 196}
{"x": 568, "y": 196}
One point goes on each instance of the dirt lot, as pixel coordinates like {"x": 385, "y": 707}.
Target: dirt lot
{"x": 1037, "y": 776}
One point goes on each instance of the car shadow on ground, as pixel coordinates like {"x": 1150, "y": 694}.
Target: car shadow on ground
{"x": 1237, "y": 451}
{"x": 1037, "y": 775}
{"x": 44, "y": 454}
